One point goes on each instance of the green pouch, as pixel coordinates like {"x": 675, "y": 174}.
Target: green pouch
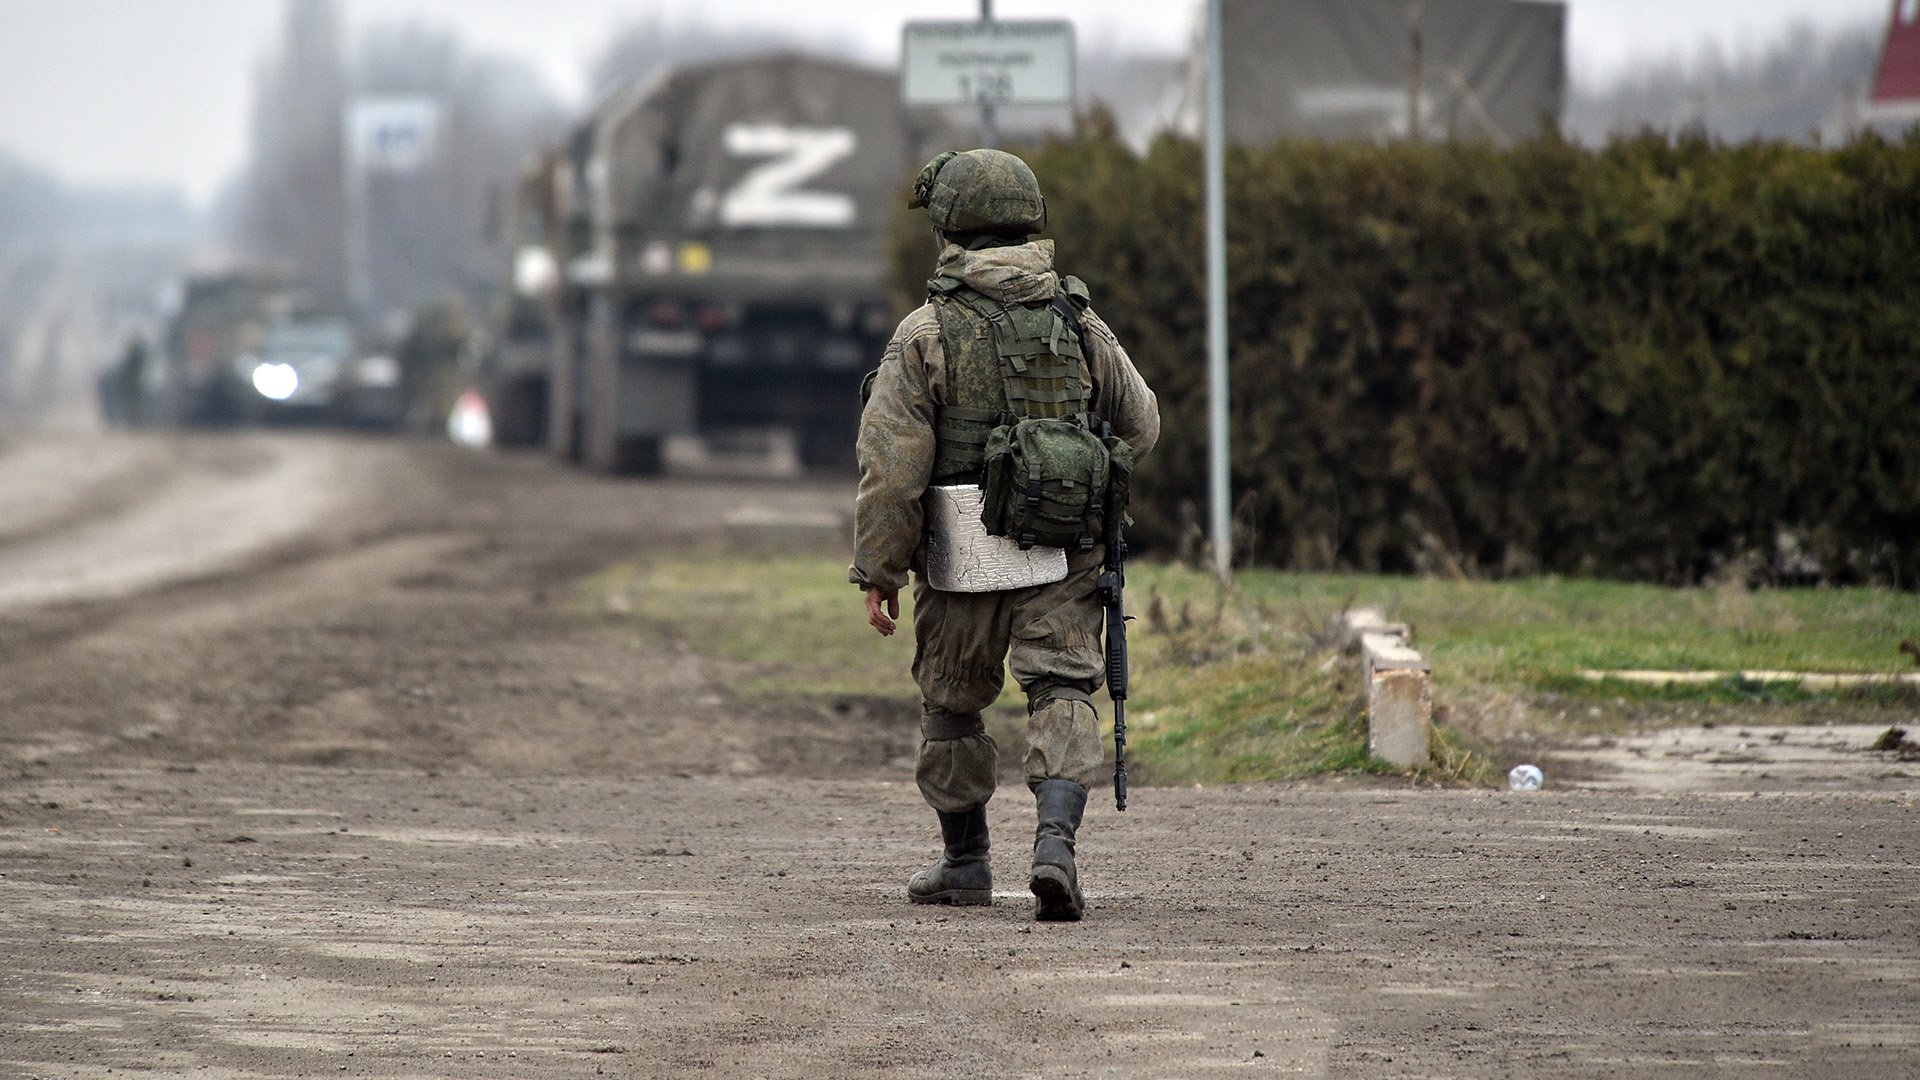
{"x": 1048, "y": 483}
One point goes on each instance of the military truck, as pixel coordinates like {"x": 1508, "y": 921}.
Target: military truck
{"x": 718, "y": 235}
{"x": 216, "y": 320}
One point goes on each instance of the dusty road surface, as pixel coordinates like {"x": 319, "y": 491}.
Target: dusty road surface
{"x": 325, "y": 774}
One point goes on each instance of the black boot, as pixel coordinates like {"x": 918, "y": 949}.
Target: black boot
{"x": 963, "y": 875}
{"x": 1055, "y": 884}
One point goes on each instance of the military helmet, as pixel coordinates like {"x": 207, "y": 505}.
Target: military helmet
{"x": 980, "y": 191}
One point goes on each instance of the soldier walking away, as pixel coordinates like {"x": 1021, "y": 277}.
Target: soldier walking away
{"x": 993, "y": 397}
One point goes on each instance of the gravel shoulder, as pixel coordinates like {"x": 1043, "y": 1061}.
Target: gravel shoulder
{"x": 369, "y": 795}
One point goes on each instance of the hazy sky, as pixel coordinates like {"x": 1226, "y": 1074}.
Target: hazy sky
{"x": 157, "y": 91}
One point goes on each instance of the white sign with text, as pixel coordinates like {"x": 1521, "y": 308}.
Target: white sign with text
{"x": 998, "y": 62}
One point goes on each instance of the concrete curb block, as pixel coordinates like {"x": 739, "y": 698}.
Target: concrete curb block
{"x": 1399, "y": 687}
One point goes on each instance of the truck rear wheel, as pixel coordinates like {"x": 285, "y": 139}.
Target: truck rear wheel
{"x": 639, "y": 455}
{"x": 520, "y": 412}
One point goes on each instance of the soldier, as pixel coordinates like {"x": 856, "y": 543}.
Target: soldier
{"x": 956, "y": 369}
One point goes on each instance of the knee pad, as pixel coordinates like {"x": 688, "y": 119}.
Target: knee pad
{"x": 1043, "y": 696}
{"x": 943, "y": 726}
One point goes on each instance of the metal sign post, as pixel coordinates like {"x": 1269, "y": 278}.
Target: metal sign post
{"x": 987, "y": 63}
{"x": 1218, "y": 487}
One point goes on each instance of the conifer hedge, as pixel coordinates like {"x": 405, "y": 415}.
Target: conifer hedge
{"x": 1641, "y": 361}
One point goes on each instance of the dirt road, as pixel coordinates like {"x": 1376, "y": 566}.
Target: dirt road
{"x": 314, "y": 767}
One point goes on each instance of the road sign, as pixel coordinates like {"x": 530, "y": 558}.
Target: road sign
{"x": 987, "y": 62}
{"x": 392, "y": 133}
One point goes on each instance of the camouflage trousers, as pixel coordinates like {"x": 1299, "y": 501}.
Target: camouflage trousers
{"x": 963, "y": 643}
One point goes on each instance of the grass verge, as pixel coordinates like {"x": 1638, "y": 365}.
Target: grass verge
{"x": 1226, "y": 687}
{"x": 1246, "y": 684}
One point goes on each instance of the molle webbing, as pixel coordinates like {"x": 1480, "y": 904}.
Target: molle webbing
{"x": 1060, "y": 505}
{"x": 960, "y": 442}
{"x": 1039, "y": 355}
{"x": 1005, "y": 362}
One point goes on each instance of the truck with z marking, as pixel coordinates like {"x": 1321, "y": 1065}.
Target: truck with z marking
{"x": 713, "y": 252}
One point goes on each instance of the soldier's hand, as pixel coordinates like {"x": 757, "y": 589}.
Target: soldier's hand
{"x": 883, "y": 606}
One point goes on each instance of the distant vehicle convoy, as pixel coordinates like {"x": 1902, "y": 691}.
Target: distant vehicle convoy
{"x": 243, "y": 348}
{"x": 699, "y": 271}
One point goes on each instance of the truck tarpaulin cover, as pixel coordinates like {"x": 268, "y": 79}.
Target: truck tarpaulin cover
{"x": 787, "y": 167}
{"x": 1491, "y": 69}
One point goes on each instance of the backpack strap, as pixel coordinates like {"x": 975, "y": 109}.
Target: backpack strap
{"x": 1029, "y": 509}
{"x": 960, "y": 431}
{"x": 1070, "y": 303}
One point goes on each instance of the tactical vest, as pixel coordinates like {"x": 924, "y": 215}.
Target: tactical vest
{"x": 1018, "y": 419}
{"x": 1005, "y": 362}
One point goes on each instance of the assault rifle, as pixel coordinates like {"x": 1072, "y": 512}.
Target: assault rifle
{"x": 1111, "y": 587}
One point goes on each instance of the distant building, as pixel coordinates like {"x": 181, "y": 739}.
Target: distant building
{"x": 1386, "y": 69}
{"x": 1893, "y": 105}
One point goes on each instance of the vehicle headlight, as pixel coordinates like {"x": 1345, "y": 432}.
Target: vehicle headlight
{"x": 276, "y": 382}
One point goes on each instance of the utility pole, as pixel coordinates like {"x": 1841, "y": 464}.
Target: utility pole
{"x": 356, "y": 242}
{"x": 988, "y": 133}
{"x": 1416, "y": 66}
{"x": 1219, "y": 486}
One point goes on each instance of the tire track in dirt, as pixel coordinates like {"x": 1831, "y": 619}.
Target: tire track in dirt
{"x": 53, "y": 484}
{"x": 133, "y": 521}
{"x": 422, "y": 614}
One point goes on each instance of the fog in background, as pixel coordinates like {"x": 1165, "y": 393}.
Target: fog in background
{"x": 1789, "y": 87}
{"x": 124, "y": 119}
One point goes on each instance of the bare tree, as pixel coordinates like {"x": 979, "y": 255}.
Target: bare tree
{"x": 430, "y": 228}
{"x": 402, "y": 235}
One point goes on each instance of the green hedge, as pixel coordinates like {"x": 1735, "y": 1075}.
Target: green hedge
{"x": 1643, "y": 361}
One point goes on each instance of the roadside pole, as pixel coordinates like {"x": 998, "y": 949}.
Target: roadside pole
{"x": 1218, "y": 486}
{"x": 989, "y": 135}
{"x": 1416, "y": 63}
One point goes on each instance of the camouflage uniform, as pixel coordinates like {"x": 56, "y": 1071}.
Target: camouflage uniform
{"x": 962, "y": 640}
{"x": 1050, "y": 633}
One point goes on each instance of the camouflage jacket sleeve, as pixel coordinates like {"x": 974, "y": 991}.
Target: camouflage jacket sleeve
{"x": 895, "y": 448}
{"x": 1121, "y": 396}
